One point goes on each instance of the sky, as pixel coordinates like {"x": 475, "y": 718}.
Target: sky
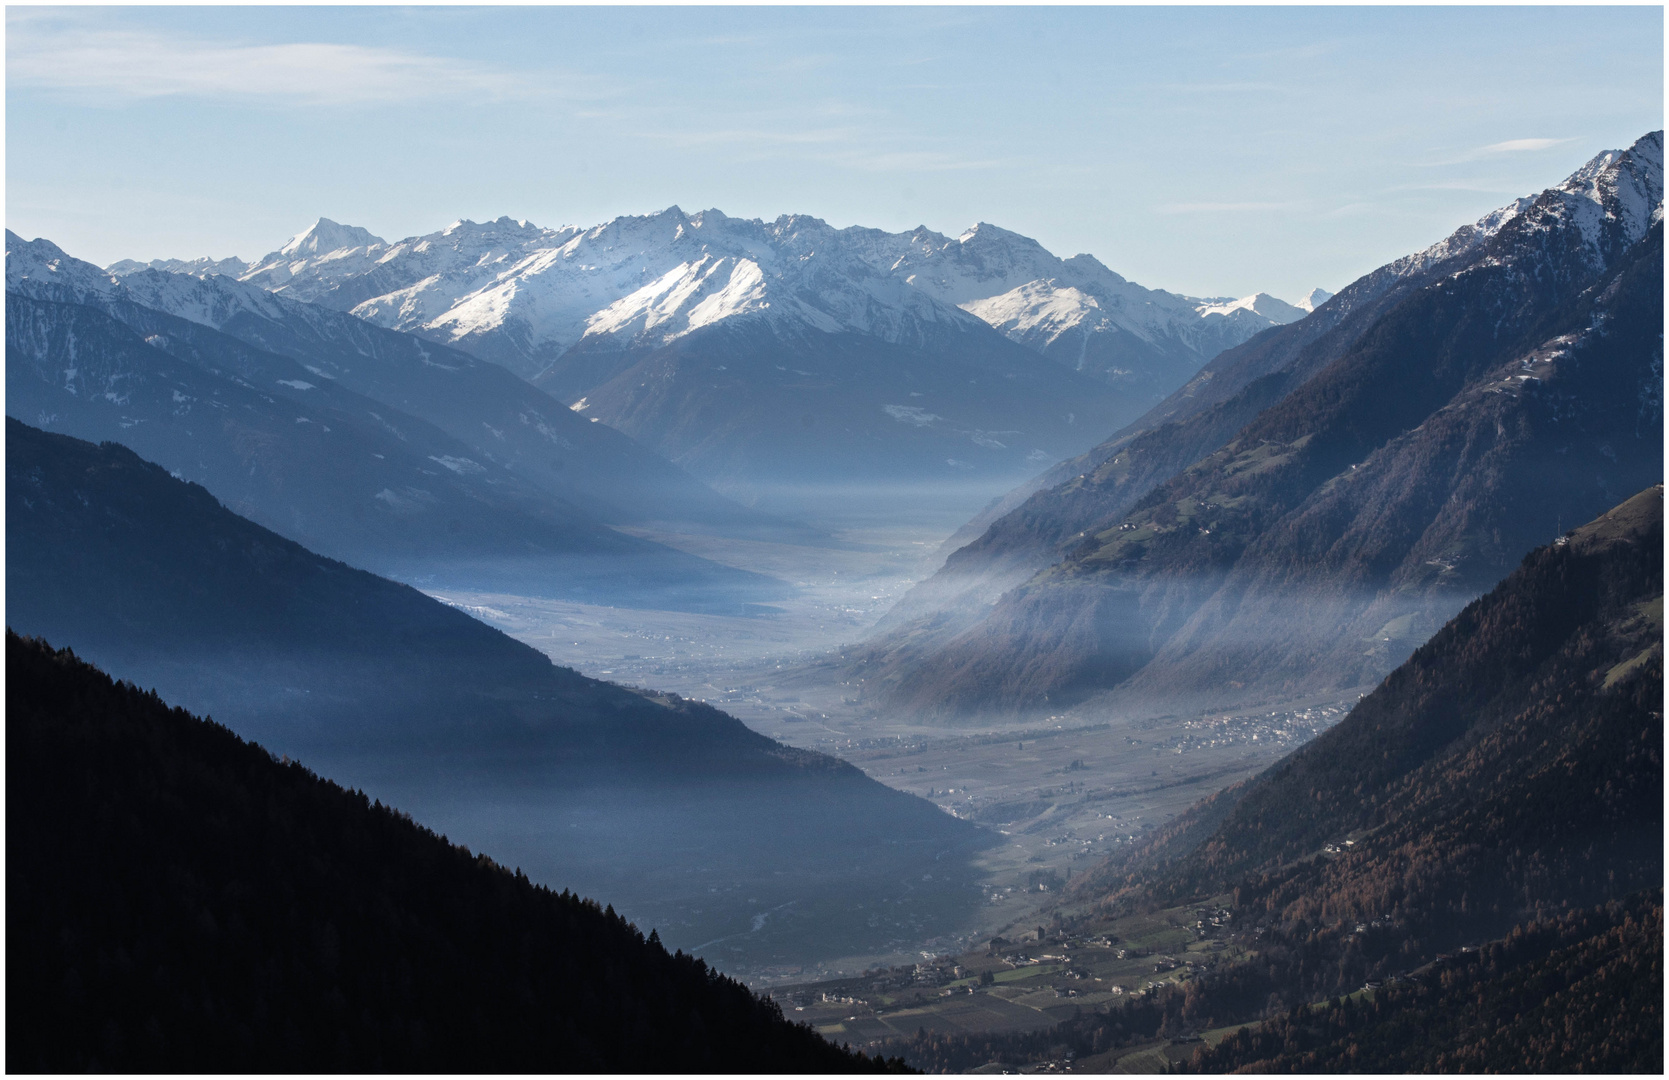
{"x": 1209, "y": 151}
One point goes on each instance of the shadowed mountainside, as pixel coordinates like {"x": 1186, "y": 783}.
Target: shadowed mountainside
{"x": 1580, "y": 994}
{"x": 1034, "y": 525}
{"x": 751, "y": 403}
{"x": 181, "y": 901}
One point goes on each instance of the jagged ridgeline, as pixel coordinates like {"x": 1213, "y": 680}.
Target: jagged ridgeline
{"x": 303, "y": 353}
{"x": 181, "y": 901}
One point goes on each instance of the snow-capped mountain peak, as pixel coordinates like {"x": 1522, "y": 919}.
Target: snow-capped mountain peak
{"x": 689, "y": 296}
{"x": 984, "y": 232}
{"x": 1276, "y": 311}
{"x": 1313, "y": 299}
{"x": 42, "y": 266}
{"x": 1614, "y": 198}
{"x": 326, "y": 236}
{"x": 1620, "y": 186}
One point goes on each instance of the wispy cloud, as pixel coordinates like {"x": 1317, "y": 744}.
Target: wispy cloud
{"x": 755, "y": 136}
{"x": 1355, "y": 209}
{"x": 1298, "y": 52}
{"x": 1510, "y": 146}
{"x": 1514, "y": 146}
{"x": 1488, "y": 187}
{"x": 143, "y": 64}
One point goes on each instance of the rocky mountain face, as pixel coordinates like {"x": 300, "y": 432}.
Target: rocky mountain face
{"x": 1380, "y": 462}
{"x": 503, "y": 421}
{"x": 884, "y": 341}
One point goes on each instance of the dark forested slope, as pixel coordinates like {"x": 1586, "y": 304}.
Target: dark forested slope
{"x": 1579, "y": 994}
{"x": 180, "y": 901}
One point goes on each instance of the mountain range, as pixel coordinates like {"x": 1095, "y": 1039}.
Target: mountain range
{"x": 370, "y": 445}
{"x": 751, "y": 351}
{"x": 1318, "y": 500}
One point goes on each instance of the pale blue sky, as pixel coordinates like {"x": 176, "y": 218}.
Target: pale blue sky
{"x": 1213, "y": 151}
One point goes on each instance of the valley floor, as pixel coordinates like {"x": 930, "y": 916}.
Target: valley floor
{"x": 1028, "y": 984}
{"x": 1063, "y": 791}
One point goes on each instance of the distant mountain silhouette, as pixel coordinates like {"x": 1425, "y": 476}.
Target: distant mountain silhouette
{"x": 744, "y": 403}
{"x": 651, "y": 798}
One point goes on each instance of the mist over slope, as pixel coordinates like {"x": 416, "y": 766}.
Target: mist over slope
{"x": 673, "y": 810}
{"x": 1511, "y": 759}
{"x": 1364, "y": 500}
{"x": 1505, "y": 782}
